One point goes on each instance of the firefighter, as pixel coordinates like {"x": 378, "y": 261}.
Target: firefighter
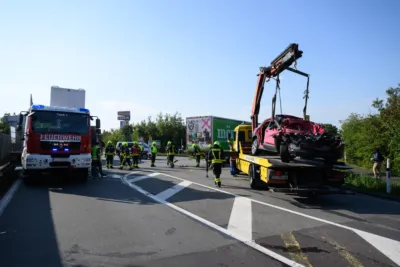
{"x": 126, "y": 156}
{"x": 109, "y": 153}
{"x": 136, "y": 154}
{"x": 196, "y": 152}
{"x": 170, "y": 153}
{"x": 154, "y": 151}
{"x": 141, "y": 152}
{"x": 97, "y": 170}
{"x": 216, "y": 155}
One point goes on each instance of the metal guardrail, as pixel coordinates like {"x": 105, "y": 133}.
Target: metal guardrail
{"x": 5, "y": 149}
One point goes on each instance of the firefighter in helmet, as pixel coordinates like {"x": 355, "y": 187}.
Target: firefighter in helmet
{"x": 216, "y": 155}
{"x": 126, "y": 156}
{"x": 135, "y": 154}
{"x": 154, "y": 151}
{"x": 109, "y": 153}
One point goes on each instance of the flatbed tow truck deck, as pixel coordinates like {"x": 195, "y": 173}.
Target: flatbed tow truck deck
{"x": 298, "y": 176}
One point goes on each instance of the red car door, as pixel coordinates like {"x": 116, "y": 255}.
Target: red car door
{"x": 270, "y": 132}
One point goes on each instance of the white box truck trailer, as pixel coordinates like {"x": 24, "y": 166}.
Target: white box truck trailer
{"x": 66, "y": 97}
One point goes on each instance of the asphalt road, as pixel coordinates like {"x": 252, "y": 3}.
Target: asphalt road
{"x": 177, "y": 217}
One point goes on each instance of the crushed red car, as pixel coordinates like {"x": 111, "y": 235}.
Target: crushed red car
{"x": 292, "y": 137}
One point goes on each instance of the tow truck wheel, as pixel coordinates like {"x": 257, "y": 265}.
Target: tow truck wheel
{"x": 254, "y": 147}
{"x": 253, "y": 182}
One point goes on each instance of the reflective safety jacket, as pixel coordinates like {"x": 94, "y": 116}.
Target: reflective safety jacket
{"x": 154, "y": 150}
{"x": 171, "y": 150}
{"x": 110, "y": 150}
{"x": 135, "y": 150}
{"x": 125, "y": 151}
{"x": 216, "y": 155}
{"x": 196, "y": 150}
{"x": 96, "y": 152}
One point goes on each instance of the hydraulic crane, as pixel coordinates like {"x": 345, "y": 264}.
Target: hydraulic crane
{"x": 278, "y": 65}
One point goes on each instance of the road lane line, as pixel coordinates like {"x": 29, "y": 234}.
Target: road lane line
{"x": 142, "y": 177}
{"x": 9, "y": 195}
{"x": 346, "y": 254}
{"x": 294, "y": 249}
{"x": 164, "y": 195}
{"x": 251, "y": 244}
{"x": 380, "y": 243}
{"x": 241, "y": 219}
{"x": 389, "y": 247}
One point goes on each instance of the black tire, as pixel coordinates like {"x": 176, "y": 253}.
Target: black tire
{"x": 253, "y": 179}
{"x": 277, "y": 143}
{"x": 284, "y": 153}
{"x": 254, "y": 147}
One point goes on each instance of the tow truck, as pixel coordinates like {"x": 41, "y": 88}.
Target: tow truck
{"x": 268, "y": 171}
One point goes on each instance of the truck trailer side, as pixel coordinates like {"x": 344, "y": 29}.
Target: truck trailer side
{"x": 205, "y": 130}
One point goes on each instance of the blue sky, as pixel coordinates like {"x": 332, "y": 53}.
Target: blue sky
{"x": 198, "y": 57}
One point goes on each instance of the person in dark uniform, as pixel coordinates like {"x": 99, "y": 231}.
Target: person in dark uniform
{"x": 109, "y": 153}
{"x": 170, "y": 154}
{"x": 196, "y": 152}
{"x": 126, "y": 156}
{"x": 216, "y": 155}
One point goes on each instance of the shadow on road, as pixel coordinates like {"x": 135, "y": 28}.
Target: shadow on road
{"x": 27, "y": 234}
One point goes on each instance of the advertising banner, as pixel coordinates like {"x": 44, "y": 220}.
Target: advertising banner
{"x": 199, "y": 131}
{"x": 221, "y": 129}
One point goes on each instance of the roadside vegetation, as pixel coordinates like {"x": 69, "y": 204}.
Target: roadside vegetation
{"x": 370, "y": 184}
{"x": 165, "y": 127}
{"x": 364, "y": 133}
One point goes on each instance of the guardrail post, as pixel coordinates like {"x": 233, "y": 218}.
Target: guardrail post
{"x": 388, "y": 180}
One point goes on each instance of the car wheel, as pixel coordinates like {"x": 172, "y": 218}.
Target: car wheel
{"x": 284, "y": 153}
{"x": 254, "y": 147}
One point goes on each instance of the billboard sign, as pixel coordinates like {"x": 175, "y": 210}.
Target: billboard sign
{"x": 123, "y": 123}
{"x": 124, "y": 115}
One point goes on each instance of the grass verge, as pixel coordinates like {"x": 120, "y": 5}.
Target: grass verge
{"x": 370, "y": 184}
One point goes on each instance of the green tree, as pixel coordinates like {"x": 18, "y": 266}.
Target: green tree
{"x": 4, "y": 127}
{"x": 330, "y": 128}
{"x": 166, "y": 127}
{"x": 363, "y": 134}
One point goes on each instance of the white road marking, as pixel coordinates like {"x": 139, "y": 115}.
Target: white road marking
{"x": 389, "y": 247}
{"x": 396, "y": 244}
{"x": 251, "y": 244}
{"x": 9, "y": 195}
{"x": 142, "y": 177}
{"x": 164, "y": 195}
{"x": 241, "y": 219}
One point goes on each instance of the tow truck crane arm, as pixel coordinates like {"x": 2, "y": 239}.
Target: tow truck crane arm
{"x": 278, "y": 65}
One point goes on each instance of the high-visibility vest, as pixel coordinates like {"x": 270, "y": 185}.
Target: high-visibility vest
{"x": 94, "y": 152}
{"x": 216, "y": 154}
{"x": 153, "y": 150}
